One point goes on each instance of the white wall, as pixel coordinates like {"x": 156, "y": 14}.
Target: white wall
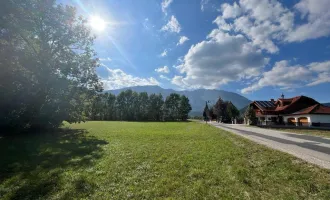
{"x": 311, "y": 118}
{"x": 320, "y": 118}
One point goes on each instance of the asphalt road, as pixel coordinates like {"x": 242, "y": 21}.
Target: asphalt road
{"x": 312, "y": 149}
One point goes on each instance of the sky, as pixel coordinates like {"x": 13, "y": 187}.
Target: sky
{"x": 257, "y": 48}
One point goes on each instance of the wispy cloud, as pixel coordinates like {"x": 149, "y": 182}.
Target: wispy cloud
{"x": 164, "y": 77}
{"x": 164, "y": 53}
{"x": 164, "y": 69}
{"x": 107, "y": 59}
{"x": 165, "y": 5}
{"x": 182, "y": 40}
{"x": 117, "y": 79}
{"x": 172, "y": 26}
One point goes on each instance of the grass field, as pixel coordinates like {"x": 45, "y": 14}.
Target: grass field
{"x": 122, "y": 160}
{"x": 323, "y": 133}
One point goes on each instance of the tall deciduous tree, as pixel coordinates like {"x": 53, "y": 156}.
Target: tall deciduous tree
{"x": 47, "y": 64}
{"x": 155, "y": 107}
{"x": 184, "y": 108}
{"x": 171, "y": 107}
{"x": 133, "y": 106}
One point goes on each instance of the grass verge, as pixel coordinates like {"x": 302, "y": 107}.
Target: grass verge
{"x": 127, "y": 160}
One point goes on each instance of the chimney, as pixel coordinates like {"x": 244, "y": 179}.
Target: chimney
{"x": 272, "y": 100}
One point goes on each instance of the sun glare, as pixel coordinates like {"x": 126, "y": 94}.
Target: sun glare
{"x": 97, "y": 23}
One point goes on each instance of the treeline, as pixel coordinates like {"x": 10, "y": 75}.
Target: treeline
{"x": 222, "y": 111}
{"x": 133, "y": 106}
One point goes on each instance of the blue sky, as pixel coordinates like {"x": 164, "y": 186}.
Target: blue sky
{"x": 258, "y": 48}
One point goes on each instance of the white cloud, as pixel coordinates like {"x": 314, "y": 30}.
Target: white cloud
{"x": 219, "y": 60}
{"x": 262, "y": 21}
{"x": 182, "y": 40}
{"x": 268, "y": 22}
{"x": 318, "y": 17}
{"x": 203, "y": 4}
{"x": 164, "y": 53}
{"x": 282, "y": 75}
{"x": 164, "y": 69}
{"x": 164, "y": 77}
{"x": 320, "y": 66}
{"x": 285, "y": 76}
{"x": 323, "y": 71}
{"x": 230, "y": 11}
{"x": 172, "y": 25}
{"x": 119, "y": 79}
{"x": 107, "y": 59}
{"x": 222, "y": 24}
{"x": 165, "y": 5}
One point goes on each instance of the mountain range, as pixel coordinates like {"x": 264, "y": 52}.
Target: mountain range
{"x": 197, "y": 98}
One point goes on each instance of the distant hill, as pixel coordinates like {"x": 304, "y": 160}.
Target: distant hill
{"x": 243, "y": 110}
{"x": 197, "y": 97}
{"x": 326, "y": 104}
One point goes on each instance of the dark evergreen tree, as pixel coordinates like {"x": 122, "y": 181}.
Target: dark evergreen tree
{"x": 206, "y": 112}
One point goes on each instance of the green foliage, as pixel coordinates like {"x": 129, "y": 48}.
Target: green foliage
{"x": 134, "y": 160}
{"x": 251, "y": 115}
{"x": 155, "y": 105}
{"x": 206, "y": 112}
{"x": 184, "y": 108}
{"x": 47, "y": 64}
{"x": 171, "y": 107}
{"x": 225, "y": 111}
{"x": 133, "y": 106}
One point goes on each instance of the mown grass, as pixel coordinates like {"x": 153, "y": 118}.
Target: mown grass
{"x": 126, "y": 160}
{"x": 322, "y": 133}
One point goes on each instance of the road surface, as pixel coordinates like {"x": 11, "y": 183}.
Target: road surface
{"x": 312, "y": 149}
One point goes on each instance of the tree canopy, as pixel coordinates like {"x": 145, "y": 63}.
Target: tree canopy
{"x": 47, "y": 64}
{"x": 250, "y": 115}
{"x": 224, "y": 111}
{"x": 133, "y": 106}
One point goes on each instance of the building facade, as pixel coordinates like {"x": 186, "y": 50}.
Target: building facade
{"x": 296, "y": 111}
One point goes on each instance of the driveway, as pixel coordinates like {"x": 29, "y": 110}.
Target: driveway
{"x": 313, "y": 149}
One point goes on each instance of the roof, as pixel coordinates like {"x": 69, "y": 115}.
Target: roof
{"x": 291, "y": 101}
{"x": 265, "y": 105}
{"x": 321, "y": 109}
{"x": 307, "y": 110}
{"x": 296, "y": 105}
{"x": 315, "y": 109}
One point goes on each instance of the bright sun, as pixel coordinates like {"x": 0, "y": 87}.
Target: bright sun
{"x": 97, "y": 23}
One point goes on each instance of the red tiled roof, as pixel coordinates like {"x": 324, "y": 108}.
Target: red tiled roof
{"x": 306, "y": 110}
{"x": 296, "y": 105}
{"x": 315, "y": 109}
{"x": 291, "y": 100}
{"x": 321, "y": 109}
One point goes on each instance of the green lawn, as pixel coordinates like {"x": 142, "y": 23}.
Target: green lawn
{"x": 323, "y": 133}
{"x": 122, "y": 160}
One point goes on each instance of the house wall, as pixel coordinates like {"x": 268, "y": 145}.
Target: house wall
{"x": 320, "y": 118}
{"x": 285, "y": 118}
{"x": 324, "y": 120}
{"x": 267, "y": 119}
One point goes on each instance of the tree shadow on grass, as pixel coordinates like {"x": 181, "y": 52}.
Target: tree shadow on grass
{"x": 32, "y": 165}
